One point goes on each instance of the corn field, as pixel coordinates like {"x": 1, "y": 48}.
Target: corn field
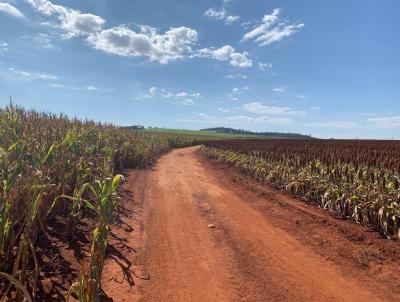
{"x": 52, "y": 166}
{"x": 354, "y": 179}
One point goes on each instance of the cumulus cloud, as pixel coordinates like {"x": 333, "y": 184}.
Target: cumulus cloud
{"x": 271, "y": 29}
{"x": 28, "y": 75}
{"x": 227, "y": 53}
{"x": 120, "y": 40}
{"x": 385, "y": 122}
{"x": 73, "y": 22}
{"x": 174, "y": 44}
{"x": 10, "y": 10}
{"x": 260, "y": 108}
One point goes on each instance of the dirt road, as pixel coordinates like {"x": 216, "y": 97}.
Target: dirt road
{"x": 191, "y": 231}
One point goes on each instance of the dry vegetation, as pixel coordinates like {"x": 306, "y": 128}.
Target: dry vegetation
{"x": 358, "y": 180}
{"x": 57, "y": 169}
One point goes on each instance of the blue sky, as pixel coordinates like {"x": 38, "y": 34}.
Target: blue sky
{"x": 326, "y": 68}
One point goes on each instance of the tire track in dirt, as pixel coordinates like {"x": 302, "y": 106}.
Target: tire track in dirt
{"x": 252, "y": 253}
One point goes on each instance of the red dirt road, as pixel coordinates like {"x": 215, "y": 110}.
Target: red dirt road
{"x": 265, "y": 246}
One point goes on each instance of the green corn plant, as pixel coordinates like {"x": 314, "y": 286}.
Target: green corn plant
{"x": 87, "y": 288}
{"x": 107, "y": 200}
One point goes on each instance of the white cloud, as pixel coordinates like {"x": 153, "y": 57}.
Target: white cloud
{"x": 333, "y": 124}
{"x": 385, "y": 122}
{"x": 33, "y": 75}
{"x": 279, "y": 89}
{"x": 91, "y": 88}
{"x": 73, "y": 22}
{"x": 187, "y": 102}
{"x": 267, "y": 22}
{"x": 174, "y": 44}
{"x": 223, "y": 110}
{"x": 77, "y": 24}
{"x": 3, "y": 46}
{"x": 10, "y": 10}
{"x": 271, "y": 30}
{"x": 301, "y": 96}
{"x": 227, "y": 53}
{"x": 57, "y": 85}
{"x": 264, "y": 66}
{"x": 231, "y": 19}
{"x": 184, "y": 97}
{"x": 260, "y": 108}
{"x": 315, "y": 108}
{"x": 153, "y": 91}
{"x": 169, "y": 46}
{"x": 215, "y": 14}
{"x": 43, "y": 40}
{"x": 246, "y": 25}
{"x": 238, "y": 90}
{"x": 220, "y": 14}
{"x": 236, "y": 76}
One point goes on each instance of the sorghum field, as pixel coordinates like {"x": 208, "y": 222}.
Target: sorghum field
{"x": 55, "y": 168}
{"x": 358, "y": 180}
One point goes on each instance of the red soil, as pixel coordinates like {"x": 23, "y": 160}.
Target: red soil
{"x": 265, "y": 246}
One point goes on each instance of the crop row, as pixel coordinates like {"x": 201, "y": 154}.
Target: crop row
{"x": 51, "y": 167}
{"x": 358, "y": 180}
